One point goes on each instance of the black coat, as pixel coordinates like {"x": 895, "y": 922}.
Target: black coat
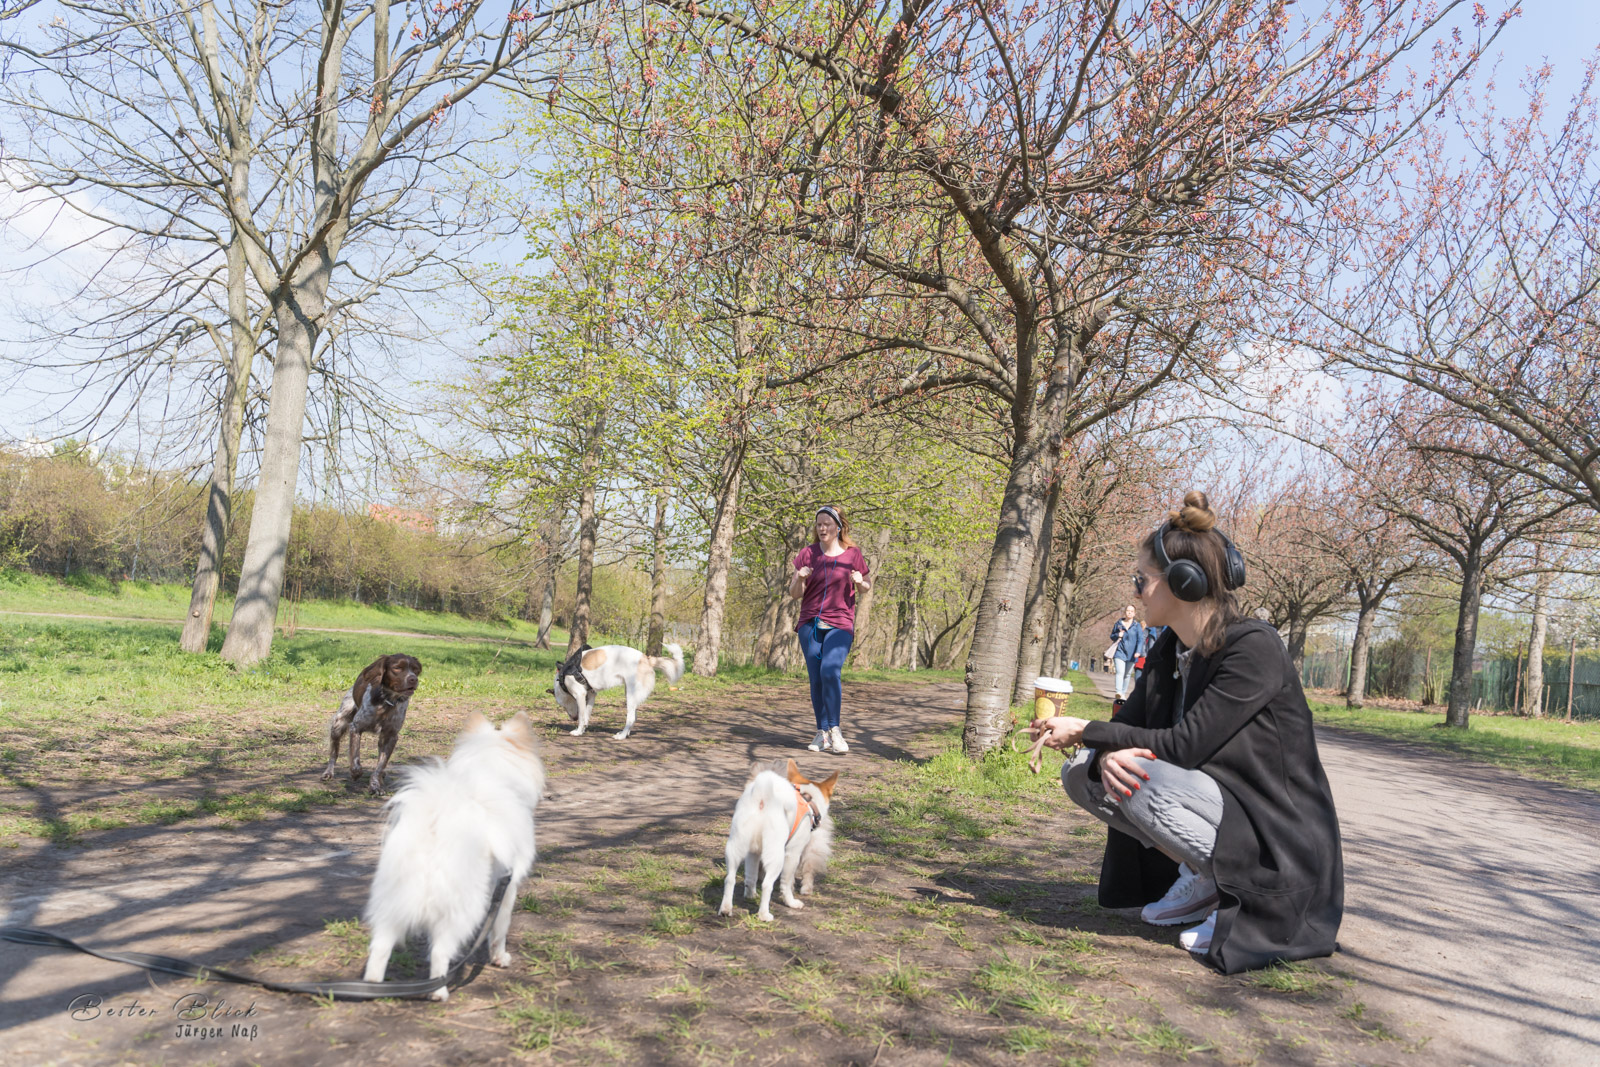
{"x": 1278, "y": 863}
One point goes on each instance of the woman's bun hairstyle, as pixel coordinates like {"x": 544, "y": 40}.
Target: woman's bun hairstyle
{"x": 1191, "y": 533}
{"x": 1195, "y": 516}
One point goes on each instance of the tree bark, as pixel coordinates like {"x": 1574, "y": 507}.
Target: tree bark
{"x": 1058, "y": 650}
{"x": 1532, "y": 699}
{"x": 255, "y": 607}
{"x": 1298, "y": 627}
{"x": 588, "y": 534}
{"x": 997, "y": 631}
{"x": 719, "y": 558}
{"x": 1360, "y": 651}
{"x": 1460, "y": 701}
{"x": 658, "y": 580}
{"x": 552, "y": 571}
{"x": 1036, "y": 615}
{"x": 219, "y": 495}
{"x": 785, "y": 644}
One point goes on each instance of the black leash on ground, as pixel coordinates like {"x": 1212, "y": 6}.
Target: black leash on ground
{"x": 351, "y": 990}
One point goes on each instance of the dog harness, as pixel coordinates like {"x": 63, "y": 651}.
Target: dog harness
{"x": 574, "y": 667}
{"x": 801, "y": 810}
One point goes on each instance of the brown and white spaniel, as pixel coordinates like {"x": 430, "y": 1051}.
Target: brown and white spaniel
{"x": 377, "y": 702}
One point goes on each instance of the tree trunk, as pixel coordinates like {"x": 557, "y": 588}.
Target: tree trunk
{"x": 1360, "y": 649}
{"x": 1037, "y": 611}
{"x": 997, "y": 630}
{"x": 858, "y": 651}
{"x": 719, "y": 558}
{"x": 1532, "y": 702}
{"x": 588, "y": 531}
{"x": 658, "y": 580}
{"x": 219, "y": 494}
{"x": 547, "y": 602}
{"x": 903, "y": 654}
{"x": 1059, "y": 649}
{"x": 1297, "y": 641}
{"x": 785, "y": 644}
{"x": 255, "y": 608}
{"x": 767, "y": 628}
{"x": 1460, "y": 703}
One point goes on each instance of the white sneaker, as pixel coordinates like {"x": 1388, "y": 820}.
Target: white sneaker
{"x": 1198, "y": 939}
{"x": 819, "y": 742}
{"x": 838, "y": 741}
{"x": 1191, "y": 897}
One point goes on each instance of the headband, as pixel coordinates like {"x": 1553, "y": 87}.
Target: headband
{"x": 827, "y": 509}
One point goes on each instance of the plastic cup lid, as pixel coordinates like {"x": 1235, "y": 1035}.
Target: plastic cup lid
{"x": 1053, "y": 685}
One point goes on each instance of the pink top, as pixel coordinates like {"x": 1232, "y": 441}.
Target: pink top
{"x": 829, "y": 591}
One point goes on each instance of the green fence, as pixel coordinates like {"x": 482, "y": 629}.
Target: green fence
{"x": 1403, "y": 673}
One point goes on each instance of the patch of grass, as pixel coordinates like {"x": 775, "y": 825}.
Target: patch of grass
{"x": 1021, "y": 1040}
{"x": 1292, "y": 978}
{"x": 905, "y": 982}
{"x": 675, "y": 920}
{"x": 1540, "y": 748}
{"x": 650, "y": 874}
{"x": 536, "y": 1023}
{"x": 1164, "y": 1039}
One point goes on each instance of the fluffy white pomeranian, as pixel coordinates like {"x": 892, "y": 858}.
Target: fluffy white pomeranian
{"x": 780, "y": 829}
{"x": 455, "y": 827}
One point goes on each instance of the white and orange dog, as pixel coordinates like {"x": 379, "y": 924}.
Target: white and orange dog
{"x": 455, "y": 827}
{"x": 780, "y": 830}
{"x": 589, "y": 670}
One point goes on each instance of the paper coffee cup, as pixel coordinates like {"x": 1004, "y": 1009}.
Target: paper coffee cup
{"x": 1050, "y": 697}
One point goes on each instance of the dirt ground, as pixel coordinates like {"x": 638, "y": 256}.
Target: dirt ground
{"x": 955, "y": 927}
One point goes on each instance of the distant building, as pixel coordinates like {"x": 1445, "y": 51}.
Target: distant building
{"x": 411, "y": 520}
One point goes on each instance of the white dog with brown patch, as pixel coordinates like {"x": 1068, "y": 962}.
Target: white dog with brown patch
{"x": 589, "y": 670}
{"x": 780, "y": 829}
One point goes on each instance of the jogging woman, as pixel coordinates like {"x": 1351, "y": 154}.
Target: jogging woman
{"x": 828, "y": 573}
{"x": 1209, "y": 776}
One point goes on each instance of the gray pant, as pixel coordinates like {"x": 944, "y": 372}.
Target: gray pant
{"x": 1177, "y": 810}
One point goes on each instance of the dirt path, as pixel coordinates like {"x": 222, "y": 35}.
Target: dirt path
{"x": 1471, "y": 901}
{"x": 308, "y": 629}
{"x": 935, "y": 939}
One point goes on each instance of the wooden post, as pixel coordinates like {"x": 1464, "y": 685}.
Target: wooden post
{"x": 1572, "y": 673}
{"x": 1516, "y": 684}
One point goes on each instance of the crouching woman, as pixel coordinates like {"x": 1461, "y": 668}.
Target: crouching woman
{"x": 1209, "y": 777}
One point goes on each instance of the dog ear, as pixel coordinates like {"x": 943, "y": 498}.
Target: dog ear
{"x": 476, "y": 723}
{"x": 551, "y": 690}
{"x": 795, "y": 777}
{"x": 827, "y": 784}
{"x": 519, "y": 731}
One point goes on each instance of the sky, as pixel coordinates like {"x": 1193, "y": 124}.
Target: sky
{"x": 1562, "y": 32}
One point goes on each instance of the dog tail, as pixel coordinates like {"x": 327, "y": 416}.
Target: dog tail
{"x": 673, "y": 666}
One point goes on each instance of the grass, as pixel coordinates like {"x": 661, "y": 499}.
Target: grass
{"x": 1540, "y": 748}
{"x": 94, "y": 595}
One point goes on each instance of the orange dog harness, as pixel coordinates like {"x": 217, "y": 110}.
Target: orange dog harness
{"x": 801, "y": 810}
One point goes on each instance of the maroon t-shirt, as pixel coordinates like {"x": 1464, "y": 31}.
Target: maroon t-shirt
{"x": 830, "y": 593}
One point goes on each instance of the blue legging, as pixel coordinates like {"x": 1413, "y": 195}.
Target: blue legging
{"x": 825, "y": 651}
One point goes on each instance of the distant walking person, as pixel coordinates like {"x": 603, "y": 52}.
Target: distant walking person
{"x": 1127, "y": 645}
{"x": 828, "y": 573}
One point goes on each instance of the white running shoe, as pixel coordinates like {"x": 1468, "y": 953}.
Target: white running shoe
{"x": 1198, "y": 939}
{"x": 838, "y": 741}
{"x": 819, "y": 742}
{"x": 1191, "y": 897}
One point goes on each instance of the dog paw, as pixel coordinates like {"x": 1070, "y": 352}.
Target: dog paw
{"x": 795, "y": 904}
{"x": 805, "y": 889}
{"x": 576, "y": 733}
{"x": 765, "y": 916}
{"x": 726, "y": 909}
{"x": 327, "y": 775}
{"x": 441, "y": 995}
{"x": 501, "y": 958}
{"x": 623, "y": 736}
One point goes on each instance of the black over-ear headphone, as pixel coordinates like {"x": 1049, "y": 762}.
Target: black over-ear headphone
{"x": 1186, "y": 578}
